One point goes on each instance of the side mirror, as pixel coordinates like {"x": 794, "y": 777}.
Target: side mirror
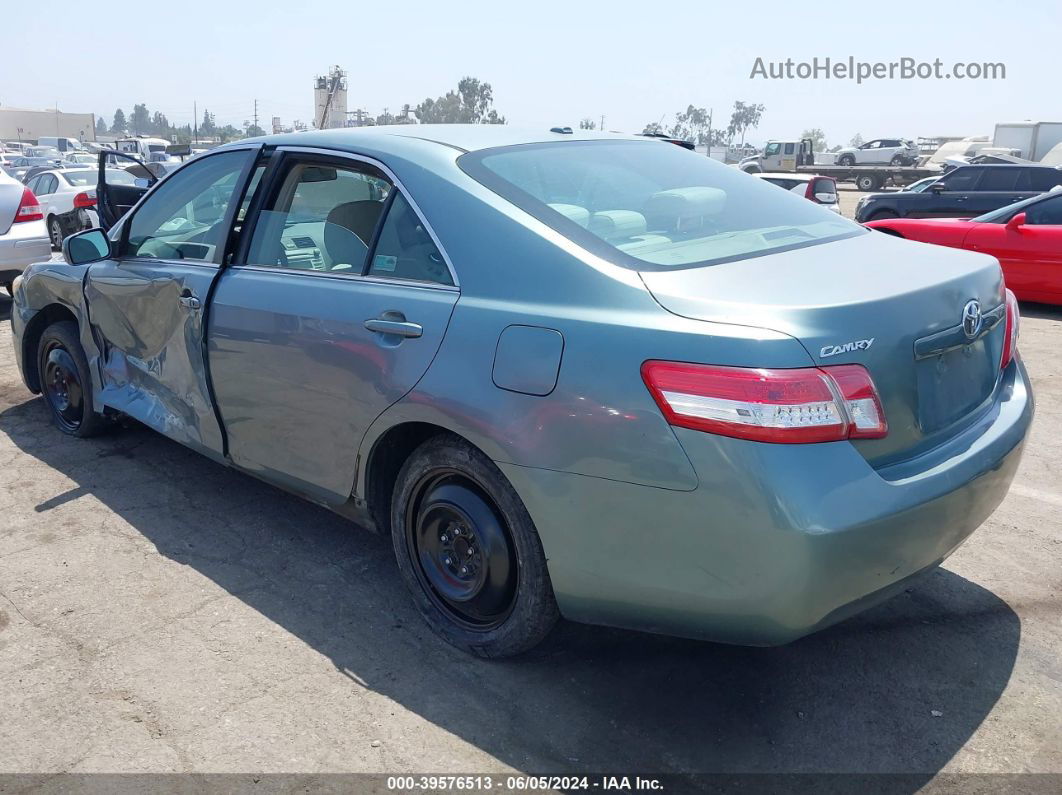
{"x": 142, "y": 182}
{"x": 91, "y": 245}
{"x": 937, "y": 187}
{"x": 1016, "y": 222}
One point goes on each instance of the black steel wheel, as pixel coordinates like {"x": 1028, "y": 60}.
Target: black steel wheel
{"x": 462, "y": 550}
{"x": 64, "y": 379}
{"x": 469, "y": 552}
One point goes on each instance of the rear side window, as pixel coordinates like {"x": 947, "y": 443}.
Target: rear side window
{"x": 322, "y": 218}
{"x": 1043, "y": 179}
{"x": 823, "y": 185}
{"x": 647, "y": 205}
{"x": 1003, "y": 178}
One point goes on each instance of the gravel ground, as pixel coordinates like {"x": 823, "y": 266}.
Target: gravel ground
{"x": 159, "y": 612}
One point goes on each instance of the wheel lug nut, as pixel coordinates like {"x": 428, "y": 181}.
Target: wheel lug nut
{"x": 470, "y": 551}
{"x": 464, "y": 570}
{"x": 444, "y": 538}
{"x": 447, "y": 561}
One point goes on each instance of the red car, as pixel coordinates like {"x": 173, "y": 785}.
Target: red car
{"x": 1026, "y": 237}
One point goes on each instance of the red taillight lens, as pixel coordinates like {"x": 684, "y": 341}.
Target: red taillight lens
{"x": 29, "y": 209}
{"x": 1010, "y": 341}
{"x": 85, "y": 199}
{"x": 783, "y": 406}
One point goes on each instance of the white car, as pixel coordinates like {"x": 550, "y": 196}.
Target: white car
{"x": 23, "y": 235}
{"x": 63, "y": 192}
{"x": 821, "y": 190}
{"x": 894, "y": 151}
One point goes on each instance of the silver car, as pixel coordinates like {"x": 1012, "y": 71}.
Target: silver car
{"x": 23, "y": 235}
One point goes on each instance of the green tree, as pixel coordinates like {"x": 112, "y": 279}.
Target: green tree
{"x": 653, "y": 128}
{"x": 818, "y": 139}
{"x": 207, "y": 126}
{"x": 227, "y": 133}
{"x": 118, "y": 125}
{"x": 140, "y": 119}
{"x": 695, "y": 124}
{"x": 101, "y": 126}
{"x": 160, "y": 125}
{"x": 744, "y": 118}
{"x": 588, "y": 124}
{"x": 471, "y": 103}
{"x": 857, "y": 140}
{"x": 252, "y": 130}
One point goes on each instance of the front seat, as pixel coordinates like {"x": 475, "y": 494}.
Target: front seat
{"x": 348, "y": 232}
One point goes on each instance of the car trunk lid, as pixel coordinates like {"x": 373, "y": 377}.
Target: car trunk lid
{"x": 892, "y": 305}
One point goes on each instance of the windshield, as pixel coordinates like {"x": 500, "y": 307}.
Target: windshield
{"x": 650, "y": 205}
{"x": 89, "y": 177}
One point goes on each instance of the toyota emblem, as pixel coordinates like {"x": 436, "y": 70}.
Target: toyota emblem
{"x": 971, "y": 319}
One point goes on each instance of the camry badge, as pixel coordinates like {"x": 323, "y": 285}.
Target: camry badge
{"x": 971, "y": 319}
{"x": 854, "y": 345}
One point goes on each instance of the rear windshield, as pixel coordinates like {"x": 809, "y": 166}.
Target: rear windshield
{"x": 88, "y": 177}
{"x": 651, "y": 205}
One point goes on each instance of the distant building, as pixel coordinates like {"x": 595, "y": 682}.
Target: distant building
{"x": 330, "y": 100}
{"x": 29, "y": 125}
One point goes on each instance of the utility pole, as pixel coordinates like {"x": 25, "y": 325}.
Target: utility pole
{"x": 195, "y": 122}
{"x": 710, "y": 112}
{"x": 256, "y": 114}
{"x": 602, "y": 127}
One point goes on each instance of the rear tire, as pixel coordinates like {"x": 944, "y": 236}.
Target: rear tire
{"x": 65, "y": 382}
{"x": 55, "y": 233}
{"x": 469, "y": 552}
{"x": 868, "y": 182}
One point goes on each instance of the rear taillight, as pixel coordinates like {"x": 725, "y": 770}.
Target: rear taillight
{"x": 29, "y": 209}
{"x": 803, "y": 405}
{"x": 1010, "y": 341}
{"x": 85, "y": 199}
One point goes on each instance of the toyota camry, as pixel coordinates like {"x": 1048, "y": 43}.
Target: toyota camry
{"x": 570, "y": 374}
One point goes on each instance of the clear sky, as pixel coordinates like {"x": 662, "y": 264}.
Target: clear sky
{"x": 549, "y": 62}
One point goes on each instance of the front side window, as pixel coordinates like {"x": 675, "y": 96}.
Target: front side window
{"x": 1047, "y": 212}
{"x": 185, "y": 218}
{"x": 651, "y": 206}
{"x": 962, "y": 178}
{"x": 772, "y": 149}
{"x": 1040, "y": 179}
{"x": 322, "y": 218}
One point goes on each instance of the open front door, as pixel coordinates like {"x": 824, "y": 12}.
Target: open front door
{"x": 114, "y": 201}
{"x": 148, "y": 302}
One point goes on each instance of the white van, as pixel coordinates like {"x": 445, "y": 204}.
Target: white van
{"x": 62, "y": 144}
{"x": 141, "y": 147}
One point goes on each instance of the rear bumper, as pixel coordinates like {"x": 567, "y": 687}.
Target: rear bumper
{"x": 777, "y": 540}
{"x": 22, "y": 245}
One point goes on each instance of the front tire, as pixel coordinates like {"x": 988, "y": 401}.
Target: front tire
{"x": 846, "y": 160}
{"x": 469, "y": 552}
{"x": 65, "y": 382}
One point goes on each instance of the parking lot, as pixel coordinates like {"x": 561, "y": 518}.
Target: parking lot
{"x": 159, "y": 612}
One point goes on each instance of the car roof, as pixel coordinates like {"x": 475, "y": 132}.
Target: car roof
{"x": 466, "y": 137}
{"x": 787, "y": 175}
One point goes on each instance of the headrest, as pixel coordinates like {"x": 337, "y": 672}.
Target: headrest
{"x": 617, "y": 224}
{"x": 679, "y": 209}
{"x": 573, "y": 212}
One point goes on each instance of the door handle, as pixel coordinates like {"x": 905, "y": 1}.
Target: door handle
{"x": 400, "y": 328}
{"x": 189, "y": 300}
